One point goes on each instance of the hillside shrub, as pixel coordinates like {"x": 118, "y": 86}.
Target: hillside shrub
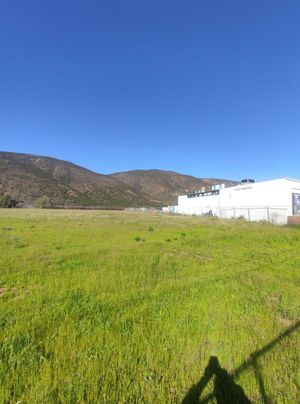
{"x": 43, "y": 202}
{"x": 6, "y": 201}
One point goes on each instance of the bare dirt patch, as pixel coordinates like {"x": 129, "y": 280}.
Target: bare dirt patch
{"x": 287, "y": 322}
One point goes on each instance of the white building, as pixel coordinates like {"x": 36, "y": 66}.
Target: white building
{"x": 170, "y": 209}
{"x": 274, "y": 201}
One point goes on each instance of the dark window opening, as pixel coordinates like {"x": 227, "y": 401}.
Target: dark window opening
{"x": 296, "y": 204}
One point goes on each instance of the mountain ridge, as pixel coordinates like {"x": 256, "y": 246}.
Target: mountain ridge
{"x": 166, "y": 185}
{"x": 28, "y": 177}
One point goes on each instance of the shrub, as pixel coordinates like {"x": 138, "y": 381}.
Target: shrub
{"x": 6, "y": 201}
{"x": 43, "y": 202}
{"x": 137, "y": 238}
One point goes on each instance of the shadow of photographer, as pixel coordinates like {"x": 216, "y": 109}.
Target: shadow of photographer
{"x": 225, "y": 391}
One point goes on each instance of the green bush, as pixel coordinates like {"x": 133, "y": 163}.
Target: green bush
{"x": 43, "y": 202}
{"x": 6, "y": 201}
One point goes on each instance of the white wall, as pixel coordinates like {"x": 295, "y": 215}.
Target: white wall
{"x": 268, "y": 200}
{"x": 170, "y": 209}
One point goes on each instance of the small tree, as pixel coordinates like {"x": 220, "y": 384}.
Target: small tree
{"x": 43, "y": 202}
{"x": 6, "y": 201}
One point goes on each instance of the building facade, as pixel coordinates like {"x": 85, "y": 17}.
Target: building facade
{"x": 274, "y": 201}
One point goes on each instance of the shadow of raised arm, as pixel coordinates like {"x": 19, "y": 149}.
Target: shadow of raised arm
{"x": 196, "y": 390}
{"x": 226, "y": 391}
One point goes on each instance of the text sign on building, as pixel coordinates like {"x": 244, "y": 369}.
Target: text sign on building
{"x": 296, "y": 204}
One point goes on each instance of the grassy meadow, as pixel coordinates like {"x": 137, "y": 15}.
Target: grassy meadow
{"x": 118, "y": 307}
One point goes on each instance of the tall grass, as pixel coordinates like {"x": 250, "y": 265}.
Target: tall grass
{"x": 95, "y": 306}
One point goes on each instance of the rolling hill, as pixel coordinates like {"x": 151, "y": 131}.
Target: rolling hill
{"x": 27, "y": 177}
{"x": 165, "y": 185}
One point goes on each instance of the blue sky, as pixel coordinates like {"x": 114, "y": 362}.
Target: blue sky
{"x": 208, "y": 88}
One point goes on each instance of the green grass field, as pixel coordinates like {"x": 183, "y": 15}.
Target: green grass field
{"x": 129, "y": 307}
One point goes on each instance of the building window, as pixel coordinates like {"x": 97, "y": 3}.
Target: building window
{"x": 296, "y": 204}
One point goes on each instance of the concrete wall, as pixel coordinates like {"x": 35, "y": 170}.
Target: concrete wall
{"x": 268, "y": 200}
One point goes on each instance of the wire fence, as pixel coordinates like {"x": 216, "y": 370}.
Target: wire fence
{"x": 274, "y": 214}
{"x": 269, "y": 214}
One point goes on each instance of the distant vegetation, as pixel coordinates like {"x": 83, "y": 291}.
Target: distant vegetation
{"x": 43, "y": 202}
{"x": 6, "y": 201}
{"x": 29, "y": 178}
{"x": 98, "y": 307}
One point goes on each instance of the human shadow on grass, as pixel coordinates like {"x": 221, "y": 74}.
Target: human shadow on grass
{"x": 226, "y": 391}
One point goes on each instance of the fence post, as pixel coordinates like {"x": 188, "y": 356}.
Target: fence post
{"x": 268, "y": 213}
{"x": 249, "y": 214}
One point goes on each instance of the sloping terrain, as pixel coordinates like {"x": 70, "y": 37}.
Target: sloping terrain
{"x": 28, "y": 177}
{"x": 166, "y": 185}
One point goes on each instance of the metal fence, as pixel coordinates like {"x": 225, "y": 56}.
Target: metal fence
{"x": 277, "y": 215}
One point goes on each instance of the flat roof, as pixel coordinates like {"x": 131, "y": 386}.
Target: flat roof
{"x": 241, "y": 184}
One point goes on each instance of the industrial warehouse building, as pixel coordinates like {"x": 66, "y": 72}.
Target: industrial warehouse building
{"x": 276, "y": 201}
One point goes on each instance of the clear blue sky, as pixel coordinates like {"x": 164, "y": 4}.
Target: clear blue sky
{"x": 208, "y": 88}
